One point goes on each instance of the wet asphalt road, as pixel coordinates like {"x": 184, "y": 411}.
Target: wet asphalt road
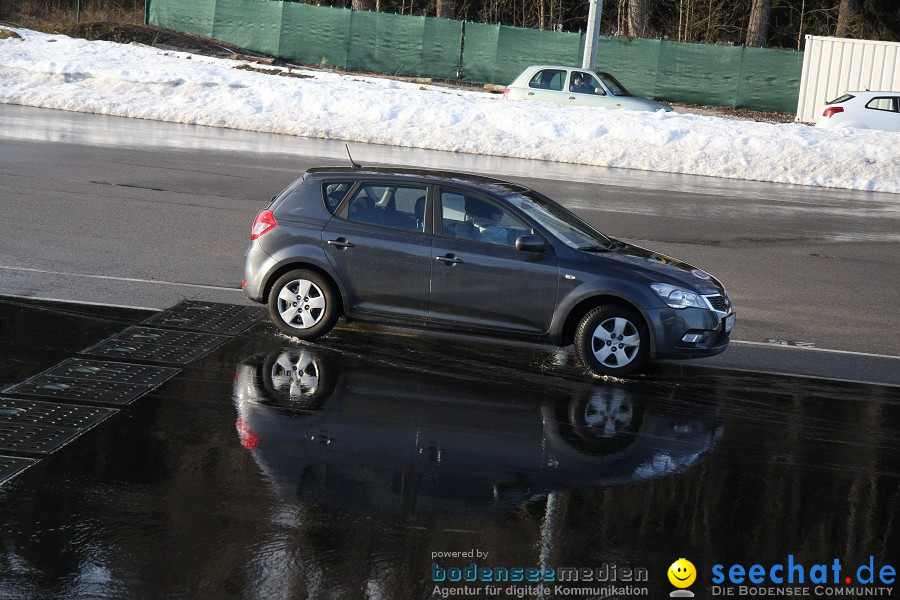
{"x": 139, "y": 213}
{"x": 237, "y": 479}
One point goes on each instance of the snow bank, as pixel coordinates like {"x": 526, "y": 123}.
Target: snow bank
{"x": 54, "y": 71}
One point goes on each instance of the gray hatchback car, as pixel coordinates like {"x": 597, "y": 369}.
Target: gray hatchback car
{"x": 472, "y": 254}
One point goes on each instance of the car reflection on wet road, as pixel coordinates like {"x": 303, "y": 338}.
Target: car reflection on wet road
{"x": 330, "y": 429}
{"x": 349, "y": 467}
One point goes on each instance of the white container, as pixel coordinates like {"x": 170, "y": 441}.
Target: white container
{"x": 832, "y": 66}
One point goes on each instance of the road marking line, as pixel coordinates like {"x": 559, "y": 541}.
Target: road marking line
{"x": 770, "y": 345}
{"x": 129, "y": 279}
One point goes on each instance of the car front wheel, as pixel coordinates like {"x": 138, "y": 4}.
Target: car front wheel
{"x": 303, "y": 304}
{"x": 611, "y": 340}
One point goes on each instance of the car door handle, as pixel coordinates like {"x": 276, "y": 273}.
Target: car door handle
{"x": 531, "y": 93}
{"x": 571, "y": 97}
{"x": 449, "y": 259}
{"x": 340, "y": 243}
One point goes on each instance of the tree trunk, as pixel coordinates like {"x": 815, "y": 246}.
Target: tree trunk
{"x": 445, "y": 8}
{"x": 846, "y": 18}
{"x": 362, "y": 4}
{"x": 758, "y": 26}
{"x": 638, "y": 15}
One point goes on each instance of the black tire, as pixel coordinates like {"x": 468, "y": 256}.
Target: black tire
{"x": 317, "y": 309}
{"x": 606, "y": 344}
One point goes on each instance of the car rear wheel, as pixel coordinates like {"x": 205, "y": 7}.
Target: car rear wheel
{"x": 303, "y": 304}
{"x": 611, "y": 340}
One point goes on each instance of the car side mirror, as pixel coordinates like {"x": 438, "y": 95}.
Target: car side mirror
{"x": 531, "y": 243}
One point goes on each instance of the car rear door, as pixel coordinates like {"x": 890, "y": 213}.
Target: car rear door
{"x": 547, "y": 86}
{"x": 488, "y": 285}
{"x": 882, "y": 113}
{"x": 380, "y": 248}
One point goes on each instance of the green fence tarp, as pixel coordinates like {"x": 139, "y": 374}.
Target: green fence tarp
{"x": 318, "y": 35}
{"x": 404, "y": 45}
{"x": 698, "y": 74}
{"x": 634, "y": 62}
{"x": 442, "y": 41}
{"x": 193, "y": 17}
{"x": 770, "y": 79}
{"x": 498, "y": 53}
{"x": 252, "y": 24}
{"x": 734, "y": 76}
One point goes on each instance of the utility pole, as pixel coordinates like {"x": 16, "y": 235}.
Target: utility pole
{"x": 589, "y": 61}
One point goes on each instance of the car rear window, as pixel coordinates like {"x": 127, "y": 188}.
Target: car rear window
{"x": 840, "y": 99}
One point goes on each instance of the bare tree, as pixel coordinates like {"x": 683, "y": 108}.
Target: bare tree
{"x": 758, "y": 24}
{"x": 846, "y": 18}
{"x": 445, "y": 8}
{"x": 638, "y": 17}
{"x": 362, "y": 4}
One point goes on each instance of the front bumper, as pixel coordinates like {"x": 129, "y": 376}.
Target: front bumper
{"x": 705, "y": 328}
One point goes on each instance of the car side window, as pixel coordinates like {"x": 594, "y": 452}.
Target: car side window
{"x": 883, "y": 103}
{"x": 581, "y": 82}
{"x": 470, "y": 217}
{"x": 548, "y": 79}
{"x": 333, "y": 194}
{"x": 389, "y": 205}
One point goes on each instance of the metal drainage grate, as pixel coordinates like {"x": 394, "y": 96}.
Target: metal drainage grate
{"x": 157, "y": 345}
{"x": 95, "y": 381}
{"x": 51, "y": 414}
{"x": 12, "y": 466}
{"x": 210, "y": 317}
{"x": 43, "y": 427}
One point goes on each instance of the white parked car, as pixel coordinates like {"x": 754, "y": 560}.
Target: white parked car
{"x": 865, "y": 110}
{"x": 576, "y": 86}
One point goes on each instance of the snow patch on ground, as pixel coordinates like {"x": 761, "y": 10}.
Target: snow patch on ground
{"x": 129, "y": 80}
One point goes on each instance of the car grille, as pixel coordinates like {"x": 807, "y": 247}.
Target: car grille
{"x": 719, "y": 303}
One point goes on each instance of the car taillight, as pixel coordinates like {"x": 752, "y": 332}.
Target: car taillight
{"x": 832, "y": 110}
{"x": 506, "y": 94}
{"x": 263, "y": 223}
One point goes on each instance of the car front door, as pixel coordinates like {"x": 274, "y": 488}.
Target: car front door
{"x": 478, "y": 278}
{"x": 380, "y": 248}
{"x": 585, "y": 90}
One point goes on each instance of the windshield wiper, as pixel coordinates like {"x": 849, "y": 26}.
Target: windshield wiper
{"x": 615, "y": 245}
{"x": 594, "y": 248}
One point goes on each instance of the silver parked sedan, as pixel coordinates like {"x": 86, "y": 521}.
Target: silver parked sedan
{"x": 578, "y": 87}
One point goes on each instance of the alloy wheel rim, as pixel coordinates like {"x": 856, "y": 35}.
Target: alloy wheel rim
{"x": 297, "y": 374}
{"x": 615, "y": 342}
{"x": 301, "y": 304}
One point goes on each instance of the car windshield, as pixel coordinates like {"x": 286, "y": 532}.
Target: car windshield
{"x": 612, "y": 84}
{"x": 560, "y": 222}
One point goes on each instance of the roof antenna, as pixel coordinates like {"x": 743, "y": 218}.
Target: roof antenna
{"x": 353, "y": 164}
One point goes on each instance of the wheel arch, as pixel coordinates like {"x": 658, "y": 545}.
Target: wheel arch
{"x": 276, "y": 274}
{"x": 567, "y": 334}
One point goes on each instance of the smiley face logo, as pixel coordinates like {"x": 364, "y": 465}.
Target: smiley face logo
{"x": 682, "y": 573}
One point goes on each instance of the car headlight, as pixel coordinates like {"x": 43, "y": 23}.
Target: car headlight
{"x": 677, "y": 297}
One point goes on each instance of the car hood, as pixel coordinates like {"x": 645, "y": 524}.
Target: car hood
{"x": 647, "y": 104}
{"x": 653, "y": 264}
